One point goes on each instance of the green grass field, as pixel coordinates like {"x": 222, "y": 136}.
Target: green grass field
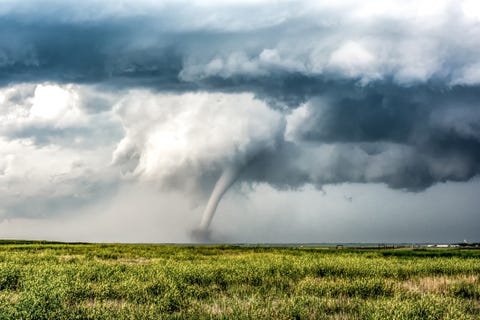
{"x": 103, "y": 281}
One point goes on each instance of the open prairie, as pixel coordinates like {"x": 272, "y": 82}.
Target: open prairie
{"x": 117, "y": 281}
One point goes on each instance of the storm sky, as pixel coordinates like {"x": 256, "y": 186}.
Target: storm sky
{"x": 347, "y": 121}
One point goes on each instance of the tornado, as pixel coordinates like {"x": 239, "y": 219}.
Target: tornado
{"x": 226, "y": 180}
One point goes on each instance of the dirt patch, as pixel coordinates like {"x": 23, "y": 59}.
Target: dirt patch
{"x": 436, "y": 284}
{"x": 134, "y": 260}
{"x": 67, "y": 257}
{"x": 110, "y": 304}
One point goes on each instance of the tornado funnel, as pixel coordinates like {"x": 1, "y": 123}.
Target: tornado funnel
{"x": 226, "y": 180}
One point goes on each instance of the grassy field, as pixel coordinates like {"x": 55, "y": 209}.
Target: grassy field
{"x": 103, "y": 281}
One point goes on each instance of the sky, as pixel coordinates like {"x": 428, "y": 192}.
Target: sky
{"x": 311, "y": 121}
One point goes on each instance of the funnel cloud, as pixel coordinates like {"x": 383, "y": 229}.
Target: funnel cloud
{"x": 226, "y": 180}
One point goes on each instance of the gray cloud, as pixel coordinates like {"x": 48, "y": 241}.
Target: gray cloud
{"x": 396, "y": 129}
{"x": 180, "y": 45}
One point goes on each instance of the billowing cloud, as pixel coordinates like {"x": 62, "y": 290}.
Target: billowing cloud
{"x": 177, "y": 45}
{"x": 183, "y": 137}
{"x": 53, "y": 153}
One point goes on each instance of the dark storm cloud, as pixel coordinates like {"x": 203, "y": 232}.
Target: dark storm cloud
{"x": 379, "y": 133}
{"x": 390, "y": 99}
{"x": 389, "y": 113}
{"x": 284, "y": 50}
{"x": 400, "y": 167}
{"x": 81, "y": 52}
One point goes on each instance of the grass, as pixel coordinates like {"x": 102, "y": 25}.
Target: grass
{"x": 113, "y": 281}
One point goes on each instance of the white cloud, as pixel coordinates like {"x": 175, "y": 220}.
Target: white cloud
{"x": 47, "y": 105}
{"x": 354, "y": 61}
{"x": 6, "y": 164}
{"x": 49, "y": 102}
{"x": 29, "y": 174}
{"x": 411, "y": 42}
{"x": 40, "y": 173}
{"x": 176, "y": 134}
{"x": 469, "y": 75}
